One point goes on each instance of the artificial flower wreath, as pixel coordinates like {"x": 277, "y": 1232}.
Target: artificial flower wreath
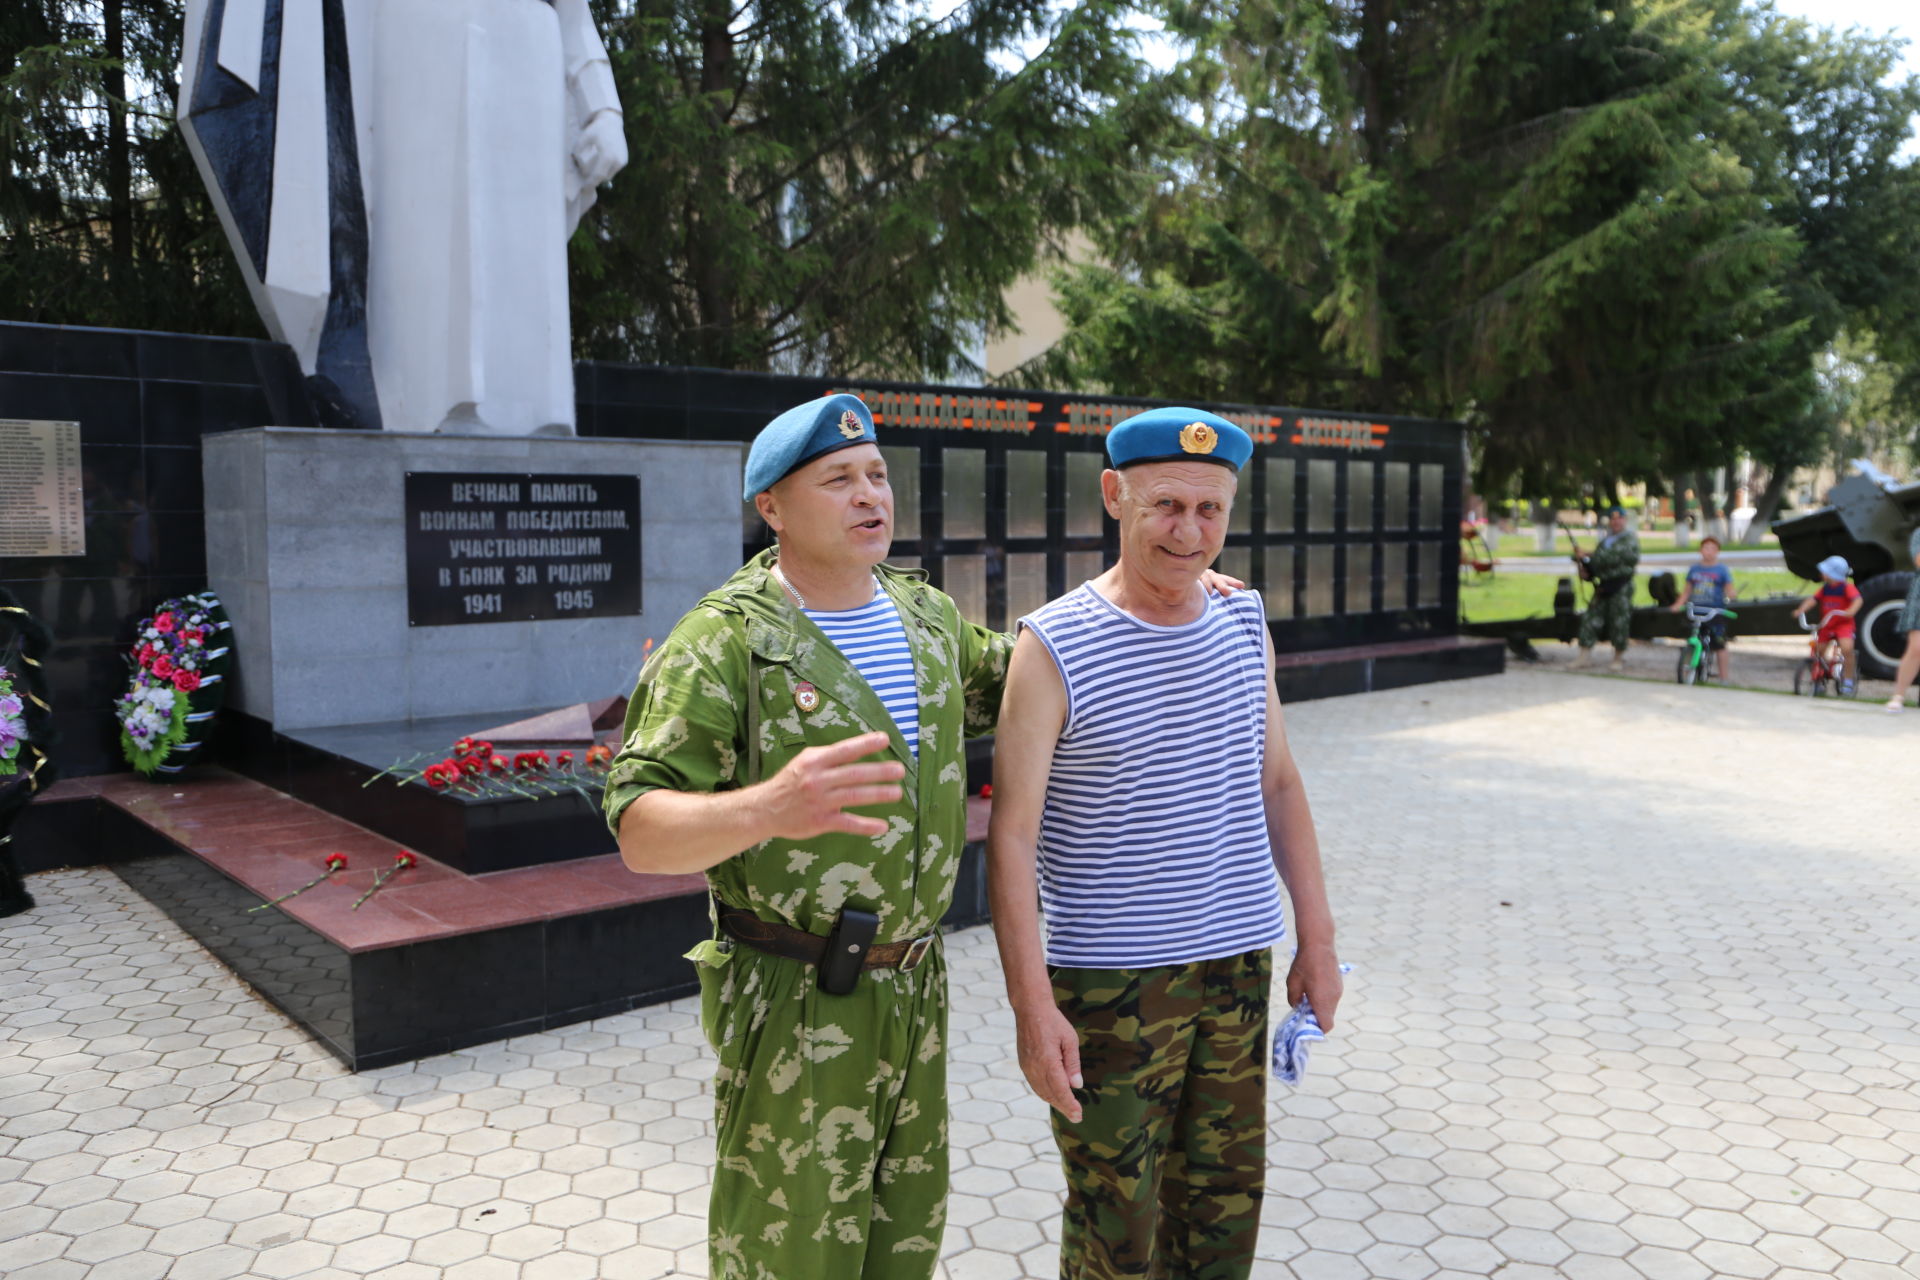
{"x": 180, "y": 659}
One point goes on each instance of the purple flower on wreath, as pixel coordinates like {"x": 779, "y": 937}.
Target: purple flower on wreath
{"x": 13, "y": 724}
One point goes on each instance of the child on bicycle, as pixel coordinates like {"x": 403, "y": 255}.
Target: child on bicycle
{"x": 1710, "y": 584}
{"x": 1838, "y": 601}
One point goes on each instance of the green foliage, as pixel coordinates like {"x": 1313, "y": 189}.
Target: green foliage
{"x": 103, "y": 219}
{"x": 1819, "y": 118}
{"x": 1559, "y": 221}
{"x": 848, "y": 186}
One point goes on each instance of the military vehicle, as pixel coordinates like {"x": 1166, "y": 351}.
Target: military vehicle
{"x": 1868, "y": 520}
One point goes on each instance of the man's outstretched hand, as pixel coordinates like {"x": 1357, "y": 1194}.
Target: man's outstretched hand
{"x": 812, "y": 794}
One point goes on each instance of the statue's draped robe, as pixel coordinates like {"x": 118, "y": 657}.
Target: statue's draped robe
{"x": 416, "y": 154}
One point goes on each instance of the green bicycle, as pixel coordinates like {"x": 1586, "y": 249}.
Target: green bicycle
{"x": 1694, "y": 667}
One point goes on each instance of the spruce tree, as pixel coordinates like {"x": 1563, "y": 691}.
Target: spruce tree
{"x": 103, "y": 218}
{"x": 848, "y": 186}
{"x": 1512, "y": 213}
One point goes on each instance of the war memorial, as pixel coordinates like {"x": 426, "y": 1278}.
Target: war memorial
{"x": 320, "y": 647}
{"x": 422, "y": 524}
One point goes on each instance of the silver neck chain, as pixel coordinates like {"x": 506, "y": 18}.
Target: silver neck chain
{"x": 797, "y": 598}
{"x": 789, "y": 586}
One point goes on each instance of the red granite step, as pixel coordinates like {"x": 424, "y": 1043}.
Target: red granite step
{"x": 271, "y": 843}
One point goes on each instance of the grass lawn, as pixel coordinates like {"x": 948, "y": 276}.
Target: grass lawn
{"x": 1521, "y": 543}
{"x": 1530, "y": 595}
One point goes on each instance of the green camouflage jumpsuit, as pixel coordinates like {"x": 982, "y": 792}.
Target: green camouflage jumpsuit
{"x": 830, "y": 1112}
{"x": 1611, "y": 615}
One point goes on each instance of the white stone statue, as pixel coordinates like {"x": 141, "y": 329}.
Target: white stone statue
{"x": 399, "y": 179}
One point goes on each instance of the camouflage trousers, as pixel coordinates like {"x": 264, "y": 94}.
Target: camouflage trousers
{"x": 1608, "y": 616}
{"x": 830, "y": 1118}
{"x": 1167, "y": 1166}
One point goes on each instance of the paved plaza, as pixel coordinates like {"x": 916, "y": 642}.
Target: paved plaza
{"x": 1634, "y": 995}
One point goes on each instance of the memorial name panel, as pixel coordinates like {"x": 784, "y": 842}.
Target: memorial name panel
{"x": 486, "y": 547}
{"x": 42, "y": 508}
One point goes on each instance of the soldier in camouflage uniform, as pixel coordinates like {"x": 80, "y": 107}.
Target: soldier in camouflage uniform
{"x": 1144, "y": 791}
{"x": 1609, "y": 567}
{"x": 742, "y": 759}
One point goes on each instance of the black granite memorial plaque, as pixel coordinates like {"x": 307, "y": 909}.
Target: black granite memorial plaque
{"x": 488, "y": 547}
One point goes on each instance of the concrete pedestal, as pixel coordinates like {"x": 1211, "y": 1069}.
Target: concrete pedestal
{"x": 306, "y": 546}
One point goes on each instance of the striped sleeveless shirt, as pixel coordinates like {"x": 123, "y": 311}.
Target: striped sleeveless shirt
{"x": 1153, "y": 841}
{"x": 872, "y": 639}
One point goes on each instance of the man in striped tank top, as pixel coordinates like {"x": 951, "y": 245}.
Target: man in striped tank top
{"x": 1144, "y": 796}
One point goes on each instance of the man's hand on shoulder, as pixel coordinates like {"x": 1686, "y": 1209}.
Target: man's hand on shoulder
{"x": 812, "y": 794}
{"x": 1219, "y": 584}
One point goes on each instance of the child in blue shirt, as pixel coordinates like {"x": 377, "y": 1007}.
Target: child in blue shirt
{"x": 1710, "y": 583}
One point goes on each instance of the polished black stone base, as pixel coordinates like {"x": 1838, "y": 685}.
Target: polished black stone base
{"x": 334, "y": 769}
{"x": 1332, "y": 673}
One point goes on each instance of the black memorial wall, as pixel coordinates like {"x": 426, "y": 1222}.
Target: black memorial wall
{"x": 143, "y": 401}
{"x": 1345, "y": 523}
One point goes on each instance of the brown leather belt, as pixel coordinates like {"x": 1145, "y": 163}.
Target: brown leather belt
{"x": 807, "y": 948}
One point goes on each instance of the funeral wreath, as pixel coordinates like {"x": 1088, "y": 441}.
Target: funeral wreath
{"x": 179, "y": 659}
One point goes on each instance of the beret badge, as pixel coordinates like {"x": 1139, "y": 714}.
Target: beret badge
{"x": 850, "y": 426}
{"x": 1198, "y": 437}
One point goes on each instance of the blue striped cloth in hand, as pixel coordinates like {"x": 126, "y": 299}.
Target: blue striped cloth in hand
{"x": 1293, "y": 1037}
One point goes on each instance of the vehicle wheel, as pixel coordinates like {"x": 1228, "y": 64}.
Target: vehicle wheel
{"x": 1683, "y": 674}
{"x": 1803, "y": 679}
{"x": 1879, "y": 647}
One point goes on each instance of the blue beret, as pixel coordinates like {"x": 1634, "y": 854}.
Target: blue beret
{"x": 1178, "y": 435}
{"x": 802, "y": 434}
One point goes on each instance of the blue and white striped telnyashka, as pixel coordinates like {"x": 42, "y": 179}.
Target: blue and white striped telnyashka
{"x": 873, "y": 640}
{"x": 1153, "y": 841}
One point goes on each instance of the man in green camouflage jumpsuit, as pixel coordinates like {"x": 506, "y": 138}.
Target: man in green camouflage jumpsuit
{"x": 1610, "y": 567}
{"x": 742, "y": 759}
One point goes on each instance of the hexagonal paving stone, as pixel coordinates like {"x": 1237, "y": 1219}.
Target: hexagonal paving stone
{"x": 1614, "y": 1078}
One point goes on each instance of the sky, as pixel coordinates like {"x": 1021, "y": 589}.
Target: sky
{"x": 1901, "y": 17}
{"x": 1875, "y": 15}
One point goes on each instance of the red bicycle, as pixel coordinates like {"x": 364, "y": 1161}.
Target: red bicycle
{"x": 1822, "y": 675}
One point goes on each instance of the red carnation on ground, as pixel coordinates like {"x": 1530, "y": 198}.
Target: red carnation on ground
{"x": 471, "y": 764}
{"x": 531, "y": 760}
{"x": 564, "y": 759}
{"x": 186, "y": 681}
{"x": 163, "y": 666}
{"x": 163, "y": 623}
{"x": 498, "y": 764}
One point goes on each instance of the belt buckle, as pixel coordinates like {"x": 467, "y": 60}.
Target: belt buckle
{"x": 916, "y": 952}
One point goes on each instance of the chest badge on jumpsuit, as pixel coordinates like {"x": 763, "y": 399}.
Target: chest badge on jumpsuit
{"x": 806, "y": 697}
